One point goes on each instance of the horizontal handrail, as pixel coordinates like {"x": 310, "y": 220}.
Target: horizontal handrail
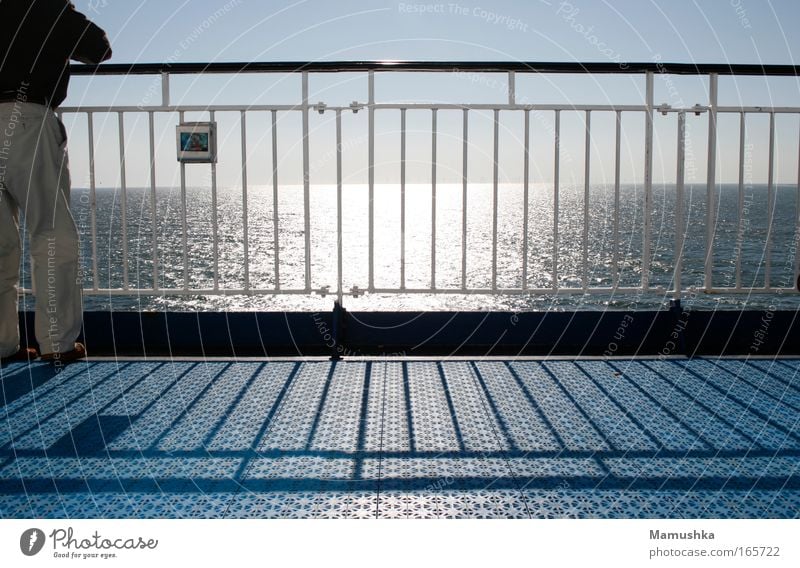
{"x": 441, "y": 66}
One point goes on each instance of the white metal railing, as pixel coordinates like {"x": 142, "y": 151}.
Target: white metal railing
{"x": 305, "y": 107}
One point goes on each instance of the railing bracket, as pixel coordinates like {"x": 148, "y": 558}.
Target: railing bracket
{"x": 337, "y": 345}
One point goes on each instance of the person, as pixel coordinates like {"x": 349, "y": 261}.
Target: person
{"x": 39, "y": 37}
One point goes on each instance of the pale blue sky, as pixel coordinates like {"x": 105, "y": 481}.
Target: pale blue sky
{"x": 741, "y": 31}
{"x": 735, "y": 31}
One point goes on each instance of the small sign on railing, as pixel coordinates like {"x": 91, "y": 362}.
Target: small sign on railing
{"x": 197, "y": 142}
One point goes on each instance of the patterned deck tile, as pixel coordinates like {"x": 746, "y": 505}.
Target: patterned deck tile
{"x": 46, "y": 405}
{"x": 303, "y": 505}
{"x": 273, "y": 505}
{"x": 8, "y": 370}
{"x": 407, "y": 440}
{"x": 292, "y": 425}
{"x": 718, "y": 504}
{"x": 250, "y": 505}
{"x": 735, "y": 411}
{"x": 98, "y": 505}
{"x": 739, "y": 386}
{"x": 433, "y": 429}
{"x": 525, "y": 426}
{"x": 362, "y": 505}
{"x": 58, "y": 425}
{"x": 447, "y": 469}
{"x": 338, "y": 425}
{"x": 564, "y": 503}
{"x": 784, "y": 369}
{"x": 390, "y": 505}
{"x": 670, "y": 432}
{"x": 572, "y": 427}
{"x": 246, "y": 420}
{"x": 692, "y": 412}
{"x": 407, "y": 505}
{"x": 144, "y": 393}
{"x": 780, "y": 505}
{"x": 158, "y": 419}
{"x": 480, "y": 430}
{"x": 698, "y": 468}
{"x": 481, "y": 468}
{"x": 604, "y": 413}
{"x": 509, "y": 504}
{"x": 771, "y": 378}
{"x": 197, "y": 424}
{"x": 54, "y": 383}
{"x": 543, "y": 504}
{"x": 121, "y": 468}
{"x": 387, "y": 411}
{"x": 149, "y": 506}
{"x": 301, "y": 467}
{"x": 33, "y": 506}
{"x": 200, "y": 505}
{"x": 139, "y": 505}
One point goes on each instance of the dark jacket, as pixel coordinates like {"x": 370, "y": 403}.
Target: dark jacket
{"x": 37, "y": 40}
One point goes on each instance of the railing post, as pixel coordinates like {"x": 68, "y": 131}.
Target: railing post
{"x": 556, "y": 182}
{"x": 711, "y": 181}
{"x": 648, "y": 179}
{"x": 796, "y": 236}
{"x": 184, "y": 223}
{"x": 153, "y": 200}
{"x": 306, "y": 183}
{"x": 164, "y": 89}
{"x": 464, "y": 196}
{"x": 214, "y": 214}
{"x": 586, "y": 190}
{"x": 123, "y": 185}
{"x": 371, "y": 174}
{"x": 740, "y": 208}
{"x": 680, "y": 239}
{"x": 245, "y": 223}
{"x": 526, "y": 198}
{"x": 402, "y": 199}
{"x": 275, "y": 213}
{"x": 93, "y": 200}
{"x": 433, "y": 199}
{"x": 617, "y": 156}
{"x": 680, "y": 231}
{"x": 339, "y": 279}
{"x": 770, "y": 203}
{"x": 495, "y": 195}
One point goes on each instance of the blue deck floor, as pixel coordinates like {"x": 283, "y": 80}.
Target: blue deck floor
{"x": 702, "y": 438}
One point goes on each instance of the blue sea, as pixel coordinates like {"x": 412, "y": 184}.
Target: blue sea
{"x": 750, "y": 235}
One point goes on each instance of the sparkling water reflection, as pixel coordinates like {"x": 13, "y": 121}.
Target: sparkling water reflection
{"x": 200, "y": 263}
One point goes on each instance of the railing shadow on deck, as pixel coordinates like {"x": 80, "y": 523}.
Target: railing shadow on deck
{"x": 374, "y": 427}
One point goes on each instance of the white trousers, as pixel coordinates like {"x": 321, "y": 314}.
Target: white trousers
{"x": 34, "y": 178}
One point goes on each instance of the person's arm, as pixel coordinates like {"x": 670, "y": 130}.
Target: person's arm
{"x": 88, "y": 42}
